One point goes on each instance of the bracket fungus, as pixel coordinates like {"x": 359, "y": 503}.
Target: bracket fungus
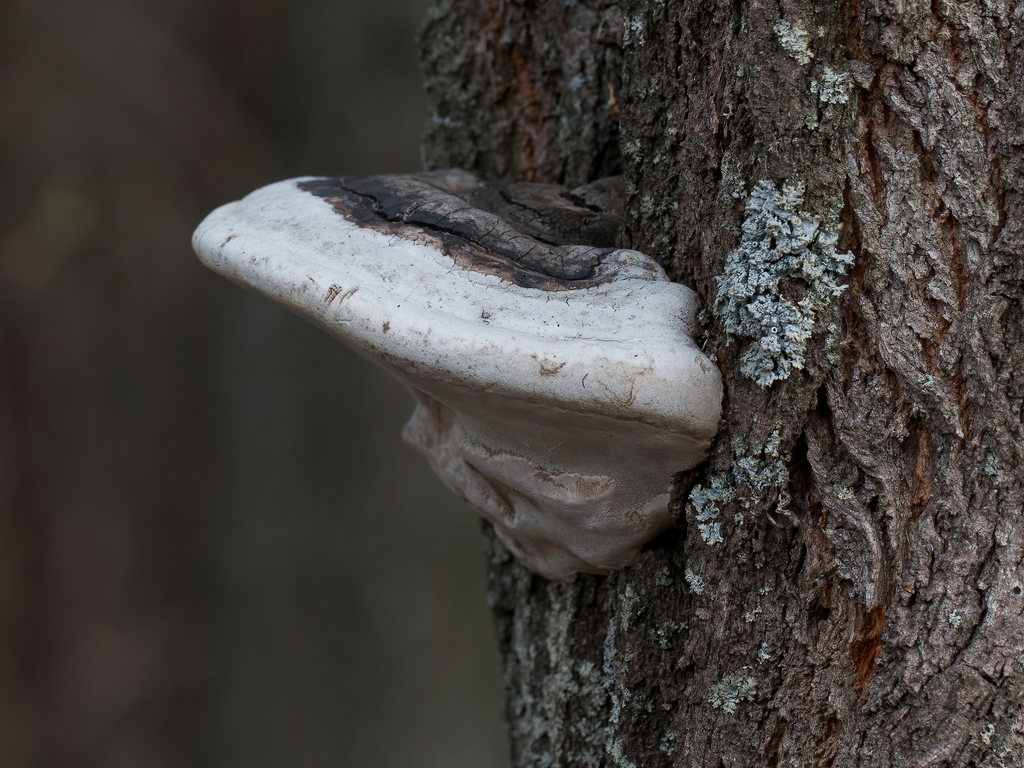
{"x": 557, "y": 382}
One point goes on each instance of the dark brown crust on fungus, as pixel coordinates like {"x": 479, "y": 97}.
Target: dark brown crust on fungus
{"x": 534, "y": 235}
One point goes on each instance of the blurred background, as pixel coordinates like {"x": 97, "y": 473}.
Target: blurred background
{"x": 215, "y": 550}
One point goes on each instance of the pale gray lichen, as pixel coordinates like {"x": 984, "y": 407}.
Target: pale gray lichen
{"x": 753, "y": 479}
{"x": 662, "y": 635}
{"x": 664, "y": 577}
{"x": 447, "y": 122}
{"x": 633, "y": 31}
{"x": 760, "y": 477}
{"x": 761, "y": 473}
{"x": 705, "y": 504}
{"x": 779, "y": 242}
{"x": 992, "y": 466}
{"x": 668, "y": 743}
{"x": 795, "y": 40}
{"x": 728, "y": 692}
{"x": 832, "y": 356}
{"x": 987, "y": 734}
{"x": 697, "y": 584}
{"x": 832, "y": 87}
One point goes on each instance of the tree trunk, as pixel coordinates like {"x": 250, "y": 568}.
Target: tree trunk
{"x": 844, "y": 585}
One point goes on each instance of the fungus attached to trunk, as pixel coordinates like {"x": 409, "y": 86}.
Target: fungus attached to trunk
{"x": 557, "y": 382}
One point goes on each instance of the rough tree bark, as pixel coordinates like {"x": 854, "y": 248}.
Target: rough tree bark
{"x": 844, "y": 586}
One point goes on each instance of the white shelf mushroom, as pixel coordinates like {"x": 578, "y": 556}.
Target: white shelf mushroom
{"x": 558, "y": 385}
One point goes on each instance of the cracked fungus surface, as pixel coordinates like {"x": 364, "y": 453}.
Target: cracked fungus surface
{"x": 780, "y": 242}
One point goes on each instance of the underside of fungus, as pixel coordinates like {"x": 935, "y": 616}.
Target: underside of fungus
{"x": 557, "y": 382}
